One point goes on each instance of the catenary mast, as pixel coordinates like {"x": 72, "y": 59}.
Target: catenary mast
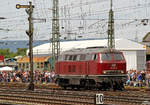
{"x": 55, "y": 42}
{"x": 111, "y": 37}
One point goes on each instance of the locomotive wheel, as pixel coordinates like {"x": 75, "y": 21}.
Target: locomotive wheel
{"x": 109, "y": 85}
{"x": 65, "y": 87}
{"x": 115, "y": 86}
{"x": 82, "y": 83}
{"x": 121, "y": 86}
{"x": 99, "y": 86}
{"x": 86, "y": 86}
{"x": 78, "y": 87}
{"x": 104, "y": 86}
{"x": 72, "y": 87}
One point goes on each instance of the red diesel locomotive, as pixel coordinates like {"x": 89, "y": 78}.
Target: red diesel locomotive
{"x": 91, "y": 68}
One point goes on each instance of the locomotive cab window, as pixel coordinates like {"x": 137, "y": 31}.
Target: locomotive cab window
{"x": 118, "y": 56}
{"x": 106, "y": 56}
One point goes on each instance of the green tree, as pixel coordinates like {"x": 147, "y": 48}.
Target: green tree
{"x": 21, "y": 51}
{"x": 7, "y": 54}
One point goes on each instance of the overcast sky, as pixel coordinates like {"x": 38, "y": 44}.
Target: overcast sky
{"x": 78, "y": 18}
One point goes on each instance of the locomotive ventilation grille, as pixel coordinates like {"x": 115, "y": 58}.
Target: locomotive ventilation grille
{"x": 112, "y": 72}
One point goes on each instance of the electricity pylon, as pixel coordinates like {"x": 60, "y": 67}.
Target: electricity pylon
{"x": 55, "y": 33}
{"x": 111, "y": 37}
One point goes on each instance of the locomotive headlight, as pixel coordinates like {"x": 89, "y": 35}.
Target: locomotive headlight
{"x": 104, "y": 72}
{"x": 122, "y": 71}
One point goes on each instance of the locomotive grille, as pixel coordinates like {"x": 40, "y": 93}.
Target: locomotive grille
{"x": 112, "y": 72}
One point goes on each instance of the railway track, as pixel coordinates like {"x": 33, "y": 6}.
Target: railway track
{"x": 57, "y": 96}
{"x": 67, "y": 98}
{"x": 43, "y": 97}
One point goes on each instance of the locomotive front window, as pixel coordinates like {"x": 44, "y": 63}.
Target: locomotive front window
{"x": 106, "y": 56}
{"x": 118, "y": 57}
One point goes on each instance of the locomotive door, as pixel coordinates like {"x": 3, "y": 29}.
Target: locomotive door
{"x": 93, "y": 64}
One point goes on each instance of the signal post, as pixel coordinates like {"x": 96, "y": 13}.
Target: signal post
{"x": 29, "y": 10}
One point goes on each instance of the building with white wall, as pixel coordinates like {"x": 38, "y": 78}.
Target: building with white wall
{"x": 135, "y": 53}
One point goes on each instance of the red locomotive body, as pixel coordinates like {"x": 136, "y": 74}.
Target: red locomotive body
{"x": 100, "y": 68}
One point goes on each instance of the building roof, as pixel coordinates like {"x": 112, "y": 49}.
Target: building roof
{"x": 35, "y": 59}
{"x": 121, "y": 44}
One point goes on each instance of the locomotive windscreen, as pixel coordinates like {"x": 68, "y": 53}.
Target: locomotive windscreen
{"x": 111, "y": 56}
{"x": 118, "y": 57}
{"x": 106, "y": 56}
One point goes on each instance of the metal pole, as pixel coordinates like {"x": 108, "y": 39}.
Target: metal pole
{"x": 31, "y": 85}
{"x": 55, "y": 33}
{"x": 111, "y": 37}
{"x": 29, "y": 32}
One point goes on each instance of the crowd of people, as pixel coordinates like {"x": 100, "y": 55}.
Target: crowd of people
{"x": 135, "y": 78}
{"x": 24, "y": 77}
{"x": 138, "y": 78}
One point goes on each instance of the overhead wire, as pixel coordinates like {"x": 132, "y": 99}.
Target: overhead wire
{"x": 44, "y": 13}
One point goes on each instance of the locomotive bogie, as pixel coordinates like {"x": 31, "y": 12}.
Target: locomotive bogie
{"x": 92, "y": 82}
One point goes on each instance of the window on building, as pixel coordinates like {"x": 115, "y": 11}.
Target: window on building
{"x": 19, "y": 65}
{"x": 23, "y": 65}
{"x": 27, "y": 65}
{"x": 38, "y": 65}
{"x": 42, "y": 65}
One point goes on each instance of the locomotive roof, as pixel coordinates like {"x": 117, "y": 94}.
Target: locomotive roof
{"x": 90, "y": 50}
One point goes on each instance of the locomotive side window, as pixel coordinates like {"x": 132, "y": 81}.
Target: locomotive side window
{"x": 74, "y": 57}
{"x": 88, "y": 56}
{"x": 118, "y": 57}
{"x": 106, "y": 56}
{"x": 94, "y": 56}
{"x": 70, "y": 57}
{"x": 82, "y": 57}
{"x": 78, "y": 58}
{"x": 66, "y": 56}
{"x": 60, "y": 58}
